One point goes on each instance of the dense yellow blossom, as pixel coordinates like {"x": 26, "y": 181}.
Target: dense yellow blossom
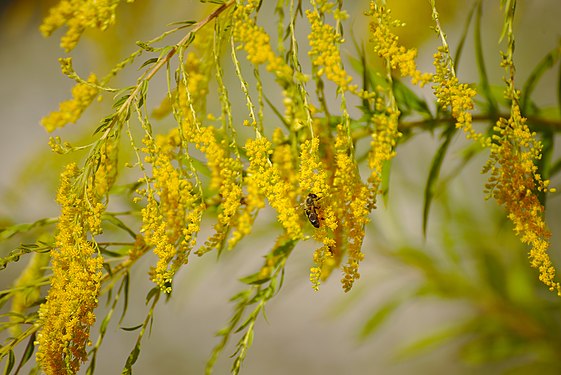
{"x": 343, "y": 204}
{"x": 67, "y": 314}
{"x": 226, "y": 170}
{"x": 324, "y": 41}
{"x": 226, "y": 175}
{"x": 285, "y": 162}
{"x": 193, "y": 95}
{"x": 382, "y": 146}
{"x": 70, "y": 110}
{"x": 173, "y": 212}
{"x": 252, "y": 202}
{"x": 386, "y": 45}
{"x": 355, "y": 209}
{"x": 514, "y": 183}
{"x": 269, "y": 182}
{"x": 313, "y": 178}
{"x": 79, "y": 15}
{"x": 386, "y": 117}
{"x": 450, "y": 93}
{"x": 256, "y": 42}
{"x": 192, "y": 91}
{"x": 106, "y": 171}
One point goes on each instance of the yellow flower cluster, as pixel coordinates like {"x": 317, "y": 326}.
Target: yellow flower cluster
{"x": 226, "y": 171}
{"x": 79, "y": 15}
{"x": 354, "y": 213}
{"x": 256, "y": 42}
{"x": 283, "y": 158}
{"x": 515, "y": 183}
{"x": 324, "y": 52}
{"x": 172, "y": 215}
{"x": 106, "y": 171}
{"x": 226, "y": 178}
{"x": 252, "y": 202}
{"x": 70, "y": 110}
{"x": 388, "y": 48}
{"x": 342, "y": 202}
{"x": 27, "y": 290}
{"x": 313, "y": 179}
{"x": 67, "y": 314}
{"x": 191, "y": 94}
{"x": 457, "y": 96}
{"x": 268, "y": 180}
{"x": 382, "y": 146}
{"x": 194, "y": 95}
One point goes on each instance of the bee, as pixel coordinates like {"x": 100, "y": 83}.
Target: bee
{"x": 311, "y": 209}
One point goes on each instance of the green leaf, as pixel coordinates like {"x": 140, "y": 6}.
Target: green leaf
{"x": 463, "y": 38}
{"x": 131, "y": 360}
{"x": 484, "y": 80}
{"x": 200, "y": 166}
{"x": 142, "y": 93}
{"x": 153, "y": 293}
{"x": 255, "y": 279}
{"x": 434, "y": 174}
{"x": 432, "y": 340}
{"x": 145, "y": 46}
{"x": 39, "y": 247}
{"x": 12, "y": 230}
{"x": 417, "y": 258}
{"x": 183, "y": 23}
{"x": 111, "y": 218}
{"x": 546, "y": 63}
{"x": 508, "y": 6}
{"x": 10, "y": 363}
{"x": 277, "y": 112}
{"x": 104, "y": 324}
{"x": 409, "y": 102}
{"x": 119, "y": 102}
{"x": 105, "y": 123}
{"x": 148, "y": 62}
{"x": 28, "y": 351}
{"x": 129, "y": 329}
{"x": 125, "y": 285}
{"x": 378, "y": 318}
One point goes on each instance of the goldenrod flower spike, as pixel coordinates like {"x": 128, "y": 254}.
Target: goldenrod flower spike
{"x": 313, "y": 178}
{"x": 67, "y": 314}
{"x": 354, "y": 214}
{"x": 267, "y": 177}
{"x": 173, "y": 212}
{"x": 79, "y": 15}
{"x": 257, "y": 43}
{"x": 226, "y": 179}
{"x": 386, "y": 45}
{"x": 514, "y": 183}
{"x": 324, "y": 52}
{"x": 71, "y": 110}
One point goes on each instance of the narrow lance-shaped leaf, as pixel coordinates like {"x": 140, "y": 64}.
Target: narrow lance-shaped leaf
{"x": 463, "y": 38}
{"x": 377, "y": 319}
{"x": 543, "y": 66}
{"x": 483, "y": 79}
{"x": 434, "y": 174}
